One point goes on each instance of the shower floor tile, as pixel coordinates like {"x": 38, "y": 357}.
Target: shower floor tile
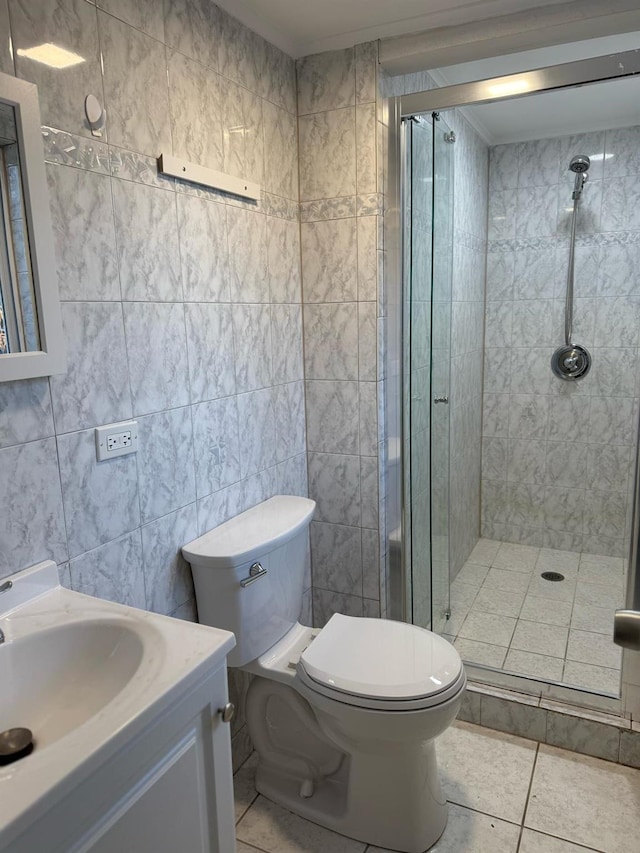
{"x": 503, "y": 610}
{"x": 503, "y": 791}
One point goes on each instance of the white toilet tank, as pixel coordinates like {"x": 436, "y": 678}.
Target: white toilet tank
{"x": 273, "y": 534}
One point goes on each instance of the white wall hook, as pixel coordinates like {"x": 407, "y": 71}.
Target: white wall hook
{"x": 95, "y": 114}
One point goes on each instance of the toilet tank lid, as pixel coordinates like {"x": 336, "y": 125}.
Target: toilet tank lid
{"x": 251, "y": 534}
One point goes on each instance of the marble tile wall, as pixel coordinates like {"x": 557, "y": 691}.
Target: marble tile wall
{"x": 181, "y": 307}
{"x": 343, "y": 315}
{"x": 558, "y": 456}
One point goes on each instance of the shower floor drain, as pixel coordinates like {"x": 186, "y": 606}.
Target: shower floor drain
{"x": 552, "y": 576}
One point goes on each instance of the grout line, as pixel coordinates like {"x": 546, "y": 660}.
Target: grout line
{"x": 526, "y": 804}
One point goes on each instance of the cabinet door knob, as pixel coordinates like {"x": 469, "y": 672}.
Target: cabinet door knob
{"x": 227, "y": 713}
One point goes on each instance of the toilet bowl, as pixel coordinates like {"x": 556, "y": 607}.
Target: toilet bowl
{"x": 343, "y": 718}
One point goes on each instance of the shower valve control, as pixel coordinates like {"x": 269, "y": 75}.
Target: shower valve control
{"x": 442, "y": 399}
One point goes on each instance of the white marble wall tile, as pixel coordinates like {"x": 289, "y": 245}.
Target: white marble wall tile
{"x": 193, "y": 28}
{"x": 367, "y": 235}
{"x": 218, "y": 507}
{"x": 367, "y": 341}
{"x": 611, "y": 420}
{"x": 532, "y": 323}
{"x": 618, "y": 270}
{"x": 128, "y": 165}
{"x": 326, "y": 81}
{"x": 528, "y": 416}
{"x": 564, "y": 509}
{"x": 157, "y": 349}
{"x": 605, "y": 514}
{"x": 617, "y": 322}
{"x": 253, "y": 348}
{"x": 369, "y": 491}
{"x": 329, "y": 261}
{"x": 195, "y": 96}
{"x": 332, "y": 208}
{"x": 33, "y": 529}
{"x": 6, "y": 56}
{"x": 89, "y": 394}
{"x": 147, "y": 233}
{"x": 366, "y": 69}
{"x": 502, "y": 215}
{"x": 292, "y": 476}
{"x": 331, "y": 341}
{"x": 135, "y": 88}
{"x": 608, "y": 378}
{"x": 216, "y": 445}
{"x": 623, "y": 152}
{"x": 503, "y": 167}
{"x": 537, "y": 210}
{"x": 500, "y": 275}
{"x": 168, "y": 580}
{"x": 242, "y": 132}
{"x": 288, "y": 403}
{"x": 336, "y": 557}
{"x": 609, "y": 467}
{"x": 366, "y": 162}
{"x": 210, "y": 350}
{"x": 281, "y": 152}
{"x": 326, "y": 603}
{"x": 332, "y": 416}
{"x": 257, "y": 430}
{"x": 327, "y": 154}
{"x": 566, "y": 464}
{"x": 145, "y": 15}
{"x": 535, "y": 274}
{"x": 100, "y": 498}
{"x": 71, "y": 25}
{"x": 286, "y": 332}
{"x": 202, "y": 229}
{"x": 83, "y": 229}
{"x": 620, "y": 210}
{"x": 165, "y": 459}
{"x": 334, "y": 483}
{"x": 526, "y": 461}
{"x": 25, "y": 411}
{"x": 368, "y": 418}
{"x": 581, "y": 735}
{"x": 370, "y": 564}
{"x": 242, "y": 55}
{"x": 538, "y": 162}
{"x": 248, "y": 278}
{"x": 279, "y": 83}
{"x": 113, "y": 571}
{"x": 283, "y": 260}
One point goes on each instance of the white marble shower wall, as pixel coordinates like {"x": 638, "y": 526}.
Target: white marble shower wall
{"x": 558, "y": 456}
{"x": 341, "y": 219}
{"x": 181, "y": 307}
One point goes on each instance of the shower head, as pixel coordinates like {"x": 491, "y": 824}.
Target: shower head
{"x": 579, "y": 164}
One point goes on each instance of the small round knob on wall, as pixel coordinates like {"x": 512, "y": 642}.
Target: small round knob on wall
{"x": 228, "y": 712}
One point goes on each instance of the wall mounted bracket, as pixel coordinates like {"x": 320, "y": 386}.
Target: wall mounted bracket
{"x": 183, "y": 170}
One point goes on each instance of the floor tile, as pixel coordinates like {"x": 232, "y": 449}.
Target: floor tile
{"x": 277, "y": 830}
{"x": 516, "y": 558}
{"x": 472, "y": 573}
{"x": 244, "y": 789}
{"x": 486, "y": 770}
{"x": 599, "y": 595}
{"x": 502, "y": 603}
{"x": 536, "y": 666}
{"x": 541, "y": 639}
{"x": 536, "y": 842}
{"x": 586, "y": 617}
{"x": 560, "y": 591}
{"x": 483, "y": 653}
{"x": 488, "y": 628}
{"x": 598, "y": 649}
{"x": 546, "y": 610}
{"x": 463, "y": 594}
{"x": 609, "y": 563}
{"x": 594, "y": 573}
{"x": 506, "y": 580}
{"x": 471, "y": 832}
{"x": 484, "y": 552}
{"x": 456, "y": 620}
{"x": 246, "y": 848}
{"x": 585, "y": 800}
{"x": 550, "y": 560}
{"x": 592, "y": 677}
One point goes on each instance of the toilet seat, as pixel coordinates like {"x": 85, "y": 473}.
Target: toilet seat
{"x": 383, "y": 665}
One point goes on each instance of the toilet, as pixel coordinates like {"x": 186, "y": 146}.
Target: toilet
{"x": 343, "y": 718}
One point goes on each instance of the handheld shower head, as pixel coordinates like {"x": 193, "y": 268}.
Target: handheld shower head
{"x": 579, "y": 164}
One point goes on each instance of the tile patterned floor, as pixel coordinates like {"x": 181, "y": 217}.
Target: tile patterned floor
{"x": 503, "y": 614}
{"x": 506, "y": 795}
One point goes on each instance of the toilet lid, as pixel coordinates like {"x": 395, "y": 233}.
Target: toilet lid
{"x": 381, "y": 659}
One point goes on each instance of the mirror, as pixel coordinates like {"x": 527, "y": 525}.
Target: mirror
{"x": 30, "y": 326}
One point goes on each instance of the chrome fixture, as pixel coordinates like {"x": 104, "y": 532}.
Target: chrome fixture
{"x": 6, "y": 586}
{"x": 572, "y": 361}
{"x": 256, "y": 572}
{"x": 442, "y": 399}
{"x": 450, "y": 137}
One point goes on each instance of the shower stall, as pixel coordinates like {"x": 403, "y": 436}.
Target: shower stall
{"x": 514, "y": 375}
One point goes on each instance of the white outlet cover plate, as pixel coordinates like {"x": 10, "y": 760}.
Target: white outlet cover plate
{"x": 118, "y": 431}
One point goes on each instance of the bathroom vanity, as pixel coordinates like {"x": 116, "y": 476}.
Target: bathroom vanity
{"x": 129, "y": 713}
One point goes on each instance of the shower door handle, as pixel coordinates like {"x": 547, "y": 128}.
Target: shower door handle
{"x": 626, "y": 629}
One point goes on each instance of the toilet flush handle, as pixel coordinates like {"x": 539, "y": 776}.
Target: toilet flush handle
{"x": 256, "y": 572}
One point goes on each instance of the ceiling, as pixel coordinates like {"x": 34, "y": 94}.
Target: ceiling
{"x": 301, "y": 27}
{"x": 570, "y": 111}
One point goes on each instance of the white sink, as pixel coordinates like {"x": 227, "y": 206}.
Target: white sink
{"x": 86, "y": 676}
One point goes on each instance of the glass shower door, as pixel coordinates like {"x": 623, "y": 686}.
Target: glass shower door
{"x": 428, "y": 265}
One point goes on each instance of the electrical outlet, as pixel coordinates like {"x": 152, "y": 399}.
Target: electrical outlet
{"x": 116, "y": 440}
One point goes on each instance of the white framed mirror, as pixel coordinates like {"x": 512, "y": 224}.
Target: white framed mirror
{"x": 31, "y": 342}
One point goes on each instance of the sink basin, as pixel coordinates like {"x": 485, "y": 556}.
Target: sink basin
{"x": 57, "y": 679}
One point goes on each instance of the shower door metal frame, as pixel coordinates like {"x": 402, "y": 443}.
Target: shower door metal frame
{"x": 568, "y": 75}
